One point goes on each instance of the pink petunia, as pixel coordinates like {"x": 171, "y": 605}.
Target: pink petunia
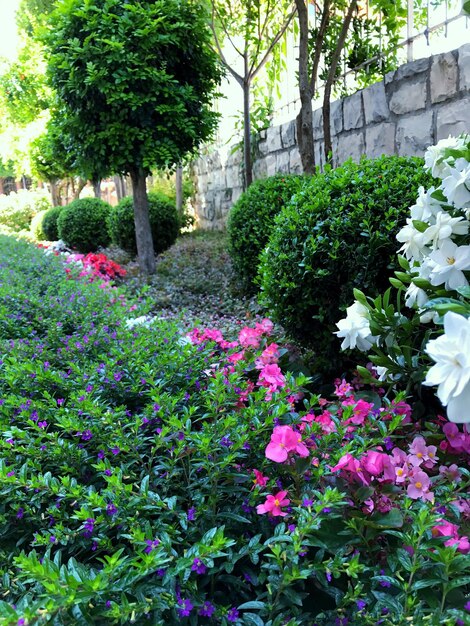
{"x": 273, "y": 505}
{"x": 285, "y": 439}
{"x": 272, "y": 377}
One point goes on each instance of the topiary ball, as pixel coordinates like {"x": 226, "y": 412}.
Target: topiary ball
{"x": 164, "y": 223}
{"x": 82, "y": 224}
{"x": 251, "y": 220}
{"x": 338, "y": 234}
{"x": 49, "y": 223}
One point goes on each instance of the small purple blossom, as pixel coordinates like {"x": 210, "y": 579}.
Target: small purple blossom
{"x": 151, "y": 544}
{"x": 52, "y": 539}
{"x": 115, "y": 450}
{"x": 361, "y": 604}
{"x": 198, "y": 566}
{"x": 20, "y": 513}
{"x": 87, "y": 435}
{"x": 232, "y": 615}
{"x": 88, "y": 527}
{"x": 42, "y": 424}
{"x": 207, "y": 609}
{"x": 118, "y": 376}
{"x": 225, "y": 441}
{"x": 101, "y": 454}
{"x": 191, "y": 514}
{"x": 185, "y": 607}
{"x": 307, "y": 502}
{"x": 111, "y": 509}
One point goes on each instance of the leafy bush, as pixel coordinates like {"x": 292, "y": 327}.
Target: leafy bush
{"x": 49, "y": 223}
{"x": 143, "y": 477}
{"x": 36, "y": 226}
{"x": 82, "y": 224}
{"x": 251, "y": 221}
{"x": 163, "y": 221}
{"x": 18, "y": 209}
{"x": 339, "y": 234}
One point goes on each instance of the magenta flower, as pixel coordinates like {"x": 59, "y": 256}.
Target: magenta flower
{"x": 260, "y": 480}
{"x": 249, "y": 337}
{"x": 271, "y": 377}
{"x": 285, "y": 439}
{"x": 419, "y": 487}
{"x": 373, "y": 462}
{"x": 273, "y": 505}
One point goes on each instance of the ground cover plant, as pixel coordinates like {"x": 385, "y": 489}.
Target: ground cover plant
{"x": 151, "y": 476}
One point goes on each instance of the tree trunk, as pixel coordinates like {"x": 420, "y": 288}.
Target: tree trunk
{"x": 179, "y": 190}
{"x": 55, "y": 196}
{"x": 247, "y": 134}
{"x": 330, "y": 80}
{"x": 77, "y": 189}
{"x": 143, "y": 233}
{"x": 97, "y": 188}
{"x": 120, "y": 187}
{"x": 304, "y": 119}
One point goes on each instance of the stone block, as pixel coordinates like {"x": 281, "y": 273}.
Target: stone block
{"x": 414, "y": 134}
{"x": 273, "y": 139}
{"x": 318, "y": 124}
{"x": 282, "y": 162}
{"x": 295, "y": 164}
{"x": 336, "y": 117}
{"x": 232, "y": 177}
{"x": 408, "y": 70}
{"x": 235, "y": 157}
{"x": 201, "y": 183}
{"x": 464, "y": 67}
{"x": 288, "y": 134}
{"x": 236, "y": 193}
{"x": 270, "y": 165}
{"x": 380, "y": 139}
{"x": 453, "y": 119}
{"x": 319, "y": 153}
{"x": 350, "y": 146}
{"x": 352, "y": 111}
{"x": 443, "y": 77}
{"x": 263, "y": 148}
{"x": 260, "y": 169}
{"x": 409, "y": 96}
{"x": 375, "y": 103}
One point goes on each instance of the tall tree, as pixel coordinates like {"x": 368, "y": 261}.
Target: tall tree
{"x": 342, "y": 30}
{"x": 136, "y": 81}
{"x": 252, "y": 29}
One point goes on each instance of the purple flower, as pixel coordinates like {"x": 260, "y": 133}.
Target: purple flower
{"x": 225, "y": 441}
{"x": 191, "y": 514}
{"x": 118, "y": 376}
{"x": 42, "y": 424}
{"x": 108, "y": 472}
{"x": 12, "y": 473}
{"x": 207, "y": 609}
{"x": 108, "y": 604}
{"x": 198, "y": 566}
{"x": 88, "y": 527}
{"x": 307, "y": 502}
{"x": 388, "y": 443}
{"x": 151, "y": 544}
{"x": 115, "y": 450}
{"x": 326, "y": 509}
{"x": 232, "y": 615}
{"x": 328, "y": 576}
{"x": 156, "y": 407}
{"x": 111, "y": 509}
{"x": 87, "y": 435}
{"x": 180, "y": 436}
{"x": 21, "y": 622}
{"x": 52, "y": 539}
{"x": 161, "y": 572}
{"x": 185, "y": 607}
{"x": 361, "y": 604}
{"x": 101, "y": 454}
{"x": 467, "y": 606}
{"x": 20, "y": 513}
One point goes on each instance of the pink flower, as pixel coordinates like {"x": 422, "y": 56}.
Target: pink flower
{"x": 260, "y": 480}
{"x": 401, "y": 473}
{"x": 249, "y": 337}
{"x": 452, "y": 473}
{"x": 327, "y": 424}
{"x": 272, "y": 377}
{"x": 269, "y": 355}
{"x": 373, "y": 462}
{"x": 459, "y": 441}
{"x": 285, "y": 439}
{"x": 419, "y": 487}
{"x": 342, "y": 388}
{"x": 422, "y": 454}
{"x": 446, "y": 529}
{"x": 265, "y": 326}
{"x": 236, "y": 356}
{"x": 360, "y": 412}
{"x": 349, "y": 464}
{"x": 273, "y": 505}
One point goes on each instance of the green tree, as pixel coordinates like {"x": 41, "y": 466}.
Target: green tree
{"x": 342, "y": 30}
{"x": 253, "y": 29}
{"x": 136, "y": 81}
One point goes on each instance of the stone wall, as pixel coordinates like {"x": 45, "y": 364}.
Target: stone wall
{"x": 412, "y": 108}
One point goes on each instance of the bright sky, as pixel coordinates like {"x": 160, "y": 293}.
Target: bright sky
{"x": 8, "y": 31}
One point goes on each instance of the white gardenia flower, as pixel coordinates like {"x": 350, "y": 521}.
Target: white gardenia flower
{"x": 426, "y": 207}
{"x": 444, "y": 227}
{"x": 414, "y": 242}
{"x": 415, "y": 296}
{"x": 449, "y": 262}
{"x": 433, "y": 157}
{"x": 355, "y": 328}
{"x": 456, "y": 186}
{"x": 451, "y": 372}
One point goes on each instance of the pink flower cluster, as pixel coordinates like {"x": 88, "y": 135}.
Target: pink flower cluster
{"x": 284, "y": 441}
{"x": 456, "y": 442}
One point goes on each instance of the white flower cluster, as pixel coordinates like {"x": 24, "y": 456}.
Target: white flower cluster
{"x": 436, "y": 242}
{"x": 435, "y": 235}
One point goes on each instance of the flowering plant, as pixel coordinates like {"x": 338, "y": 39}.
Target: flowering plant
{"x": 433, "y": 286}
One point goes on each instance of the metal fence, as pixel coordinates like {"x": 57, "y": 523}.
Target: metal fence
{"x": 441, "y": 27}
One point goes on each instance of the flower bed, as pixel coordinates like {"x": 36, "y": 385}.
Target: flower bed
{"x": 149, "y": 477}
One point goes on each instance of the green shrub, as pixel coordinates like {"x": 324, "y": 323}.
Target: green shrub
{"x": 18, "y": 209}
{"x": 82, "y": 224}
{"x": 163, "y": 221}
{"x": 49, "y": 223}
{"x": 337, "y": 235}
{"x": 252, "y": 218}
{"x": 36, "y": 226}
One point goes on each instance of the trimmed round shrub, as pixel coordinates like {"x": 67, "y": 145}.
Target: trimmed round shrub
{"x": 49, "y": 223}
{"x": 36, "y": 226}
{"x": 82, "y": 224}
{"x": 251, "y": 221}
{"x": 338, "y": 234}
{"x": 163, "y": 222}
